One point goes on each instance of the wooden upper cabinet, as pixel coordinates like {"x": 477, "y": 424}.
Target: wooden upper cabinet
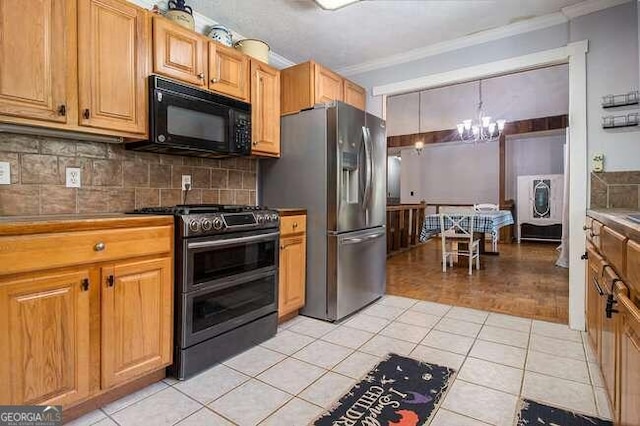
{"x": 113, "y": 42}
{"x": 33, "y": 55}
{"x": 44, "y": 336}
{"x": 137, "y": 319}
{"x": 354, "y": 95}
{"x": 309, "y": 83}
{"x": 328, "y": 85}
{"x": 179, "y": 53}
{"x": 228, "y": 71}
{"x": 265, "y": 109}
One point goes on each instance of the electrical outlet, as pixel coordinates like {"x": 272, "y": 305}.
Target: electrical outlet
{"x": 5, "y": 173}
{"x": 186, "y": 180}
{"x": 597, "y": 163}
{"x": 73, "y": 177}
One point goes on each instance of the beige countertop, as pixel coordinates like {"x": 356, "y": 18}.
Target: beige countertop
{"x": 22, "y": 225}
{"x": 291, "y": 212}
{"x": 617, "y": 220}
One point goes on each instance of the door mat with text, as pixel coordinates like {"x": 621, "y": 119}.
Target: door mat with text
{"x": 399, "y": 391}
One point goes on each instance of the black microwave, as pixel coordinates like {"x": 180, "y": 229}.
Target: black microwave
{"x": 184, "y": 120}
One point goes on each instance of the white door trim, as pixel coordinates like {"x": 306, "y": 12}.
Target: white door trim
{"x": 575, "y": 55}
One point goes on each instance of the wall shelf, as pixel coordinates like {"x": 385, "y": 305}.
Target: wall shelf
{"x": 627, "y": 99}
{"x": 617, "y": 121}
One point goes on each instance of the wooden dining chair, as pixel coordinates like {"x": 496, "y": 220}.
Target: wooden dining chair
{"x": 456, "y": 229}
{"x": 487, "y": 207}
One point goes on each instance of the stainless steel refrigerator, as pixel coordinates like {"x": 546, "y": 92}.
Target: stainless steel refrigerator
{"x": 333, "y": 163}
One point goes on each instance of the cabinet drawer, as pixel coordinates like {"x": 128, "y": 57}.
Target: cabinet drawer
{"x": 594, "y": 229}
{"x": 613, "y": 248}
{"x": 293, "y": 224}
{"x": 47, "y": 251}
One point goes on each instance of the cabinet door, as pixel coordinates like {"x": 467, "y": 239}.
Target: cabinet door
{"x": 137, "y": 318}
{"x": 265, "y": 109}
{"x": 329, "y": 85}
{"x": 44, "y": 336}
{"x": 292, "y": 274}
{"x": 354, "y": 95}
{"x": 112, "y": 65}
{"x": 595, "y": 293}
{"x": 179, "y": 53}
{"x": 608, "y": 338}
{"x": 629, "y": 363}
{"x": 228, "y": 71}
{"x": 33, "y": 54}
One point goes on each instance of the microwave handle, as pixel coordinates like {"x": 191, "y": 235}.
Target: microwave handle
{"x": 226, "y": 242}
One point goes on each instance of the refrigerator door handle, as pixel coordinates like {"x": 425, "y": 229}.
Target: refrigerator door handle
{"x": 349, "y": 241}
{"x": 369, "y": 164}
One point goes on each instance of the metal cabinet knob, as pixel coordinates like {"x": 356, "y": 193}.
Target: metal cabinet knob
{"x": 255, "y": 143}
{"x": 585, "y": 227}
{"x": 99, "y": 246}
{"x": 201, "y": 76}
{"x": 295, "y": 224}
{"x": 214, "y": 80}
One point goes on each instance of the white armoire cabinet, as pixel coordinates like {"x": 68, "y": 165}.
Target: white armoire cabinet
{"x": 539, "y": 202}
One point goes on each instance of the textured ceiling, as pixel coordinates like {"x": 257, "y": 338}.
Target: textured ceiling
{"x": 368, "y": 30}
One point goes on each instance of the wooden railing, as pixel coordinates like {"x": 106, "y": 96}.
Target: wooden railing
{"x": 404, "y": 222}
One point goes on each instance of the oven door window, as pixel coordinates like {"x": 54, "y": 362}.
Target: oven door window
{"x": 226, "y": 261}
{"x": 191, "y": 123}
{"x": 232, "y": 303}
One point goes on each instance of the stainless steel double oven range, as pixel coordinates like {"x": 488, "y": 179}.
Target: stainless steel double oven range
{"x": 226, "y": 282}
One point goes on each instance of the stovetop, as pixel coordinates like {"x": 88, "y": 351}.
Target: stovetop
{"x": 198, "y": 220}
{"x": 185, "y": 209}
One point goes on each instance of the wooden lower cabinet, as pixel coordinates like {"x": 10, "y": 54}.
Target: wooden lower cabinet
{"x": 629, "y": 407}
{"x": 292, "y": 270}
{"x": 136, "y": 319}
{"x": 74, "y": 332}
{"x": 44, "y": 336}
{"x": 595, "y": 295}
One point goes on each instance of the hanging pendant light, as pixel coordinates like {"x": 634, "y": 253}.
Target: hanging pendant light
{"x": 419, "y": 144}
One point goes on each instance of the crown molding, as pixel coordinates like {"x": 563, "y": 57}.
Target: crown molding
{"x": 590, "y": 6}
{"x": 510, "y": 30}
{"x": 203, "y": 23}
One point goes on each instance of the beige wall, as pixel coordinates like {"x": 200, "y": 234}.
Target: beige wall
{"x": 113, "y": 179}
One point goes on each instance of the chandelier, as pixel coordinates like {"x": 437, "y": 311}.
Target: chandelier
{"x": 481, "y": 128}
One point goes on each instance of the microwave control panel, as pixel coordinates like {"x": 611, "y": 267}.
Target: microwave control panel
{"x": 242, "y": 134}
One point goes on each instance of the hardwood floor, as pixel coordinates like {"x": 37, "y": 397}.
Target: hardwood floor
{"x": 522, "y": 281}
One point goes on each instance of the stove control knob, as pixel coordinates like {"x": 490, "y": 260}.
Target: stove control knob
{"x": 194, "y": 226}
{"x": 260, "y": 219}
{"x": 274, "y": 217}
{"x": 206, "y": 224}
{"x": 218, "y": 224}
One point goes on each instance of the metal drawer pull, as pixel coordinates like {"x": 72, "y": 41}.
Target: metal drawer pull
{"x": 99, "y": 246}
{"x": 598, "y": 288}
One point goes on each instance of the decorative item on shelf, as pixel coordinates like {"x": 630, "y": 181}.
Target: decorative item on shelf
{"x": 612, "y": 101}
{"x": 221, "y": 34}
{"x": 181, "y": 14}
{"x": 625, "y": 120}
{"x": 481, "y": 128}
{"x": 255, "y": 48}
{"x": 156, "y": 10}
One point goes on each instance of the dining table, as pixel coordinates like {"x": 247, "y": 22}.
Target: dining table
{"x": 487, "y": 222}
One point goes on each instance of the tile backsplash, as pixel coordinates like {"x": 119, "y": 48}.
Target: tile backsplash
{"x": 616, "y": 190}
{"x": 113, "y": 179}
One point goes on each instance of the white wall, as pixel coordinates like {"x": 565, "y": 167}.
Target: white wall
{"x": 612, "y": 68}
{"x": 530, "y": 94}
{"x": 451, "y": 173}
{"x": 532, "y": 155}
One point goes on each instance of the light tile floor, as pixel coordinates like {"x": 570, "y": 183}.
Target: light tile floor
{"x": 292, "y": 378}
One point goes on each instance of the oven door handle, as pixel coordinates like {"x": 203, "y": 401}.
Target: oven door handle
{"x": 226, "y": 242}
